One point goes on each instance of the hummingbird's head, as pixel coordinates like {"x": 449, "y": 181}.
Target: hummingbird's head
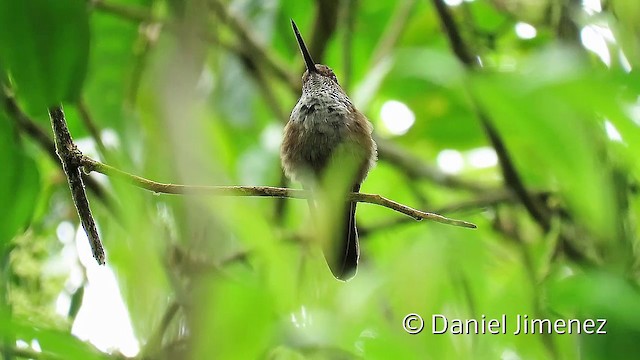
{"x": 314, "y": 71}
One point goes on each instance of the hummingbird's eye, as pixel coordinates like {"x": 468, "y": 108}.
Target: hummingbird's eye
{"x": 331, "y": 75}
{"x": 326, "y": 71}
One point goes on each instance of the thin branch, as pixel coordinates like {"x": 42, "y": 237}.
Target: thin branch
{"x": 267, "y": 91}
{"x": 511, "y": 176}
{"x": 417, "y": 214}
{"x": 154, "y": 344}
{"x": 480, "y": 203}
{"x": 269, "y": 96}
{"x": 350, "y": 8}
{"x": 324, "y": 25}
{"x": 567, "y": 28}
{"x": 34, "y": 131}
{"x": 453, "y": 34}
{"x": 70, "y": 158}
{"x": 417, "y": 169}
{"x": 509, "y": 172}
{"x": 250, "y": 46}
{"x": 77, "y": 298}
{"x": 254, "y": 49}
{"x": 194, "y": 262}
{"x": 147, "y": 38}
{"x": 142, "y": 15}
{"x": 265, "y": 191}
{"x": 91, "y": 126}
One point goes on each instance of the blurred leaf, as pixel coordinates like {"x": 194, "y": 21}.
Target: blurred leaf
{"x": 600, "y": 295}
{"x": 45, "y": 47}
{"x": 555, "y": 144}
{"x": 19, "y": 183}
{"x": 60, "y": 344}
{"x": 113, "y": 56}
{"x": 628, "y": 17}
{"x": 485, "y": 17}
{"x": 232, "y": 317}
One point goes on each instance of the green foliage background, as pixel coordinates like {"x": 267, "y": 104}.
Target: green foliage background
{"x": 196, "y": 91}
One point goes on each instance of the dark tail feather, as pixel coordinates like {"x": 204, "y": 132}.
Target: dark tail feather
{"x": 343, "y": 257}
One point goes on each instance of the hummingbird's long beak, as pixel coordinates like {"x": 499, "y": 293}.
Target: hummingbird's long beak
{"x": 311, "y": 66}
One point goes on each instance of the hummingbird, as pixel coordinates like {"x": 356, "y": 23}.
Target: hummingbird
{"x": 325, "y": 125}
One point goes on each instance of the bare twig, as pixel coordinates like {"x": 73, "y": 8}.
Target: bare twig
{"x": 417, "y": 214}
{"x": 265, "y": 191}
{"x": 70, "y": 158}
{"x": 481, "y": 202}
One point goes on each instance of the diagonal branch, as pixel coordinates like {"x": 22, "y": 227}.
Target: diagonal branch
{"x": 509, "y": 172}
{"x": 263, "y": 191}
{"x": 143, "y": 15}
{"x": 31, "y": 128}
{"x": 91, "y": 126}
{"x": 252, "y": 45}
{"x": 324, "y": 25}
{"x": 70, "y": 157}
{"x": 349, "y": 24}
{"x": 415, "y": 168}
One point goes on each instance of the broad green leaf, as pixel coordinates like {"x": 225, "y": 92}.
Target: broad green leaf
{"x": 230, "y": 311}
{"x": 19, "y": 183}
{"x": 44, "y": 45}
{"x": 554, "y": 144}
{"x": 600, "y": 295}
{"x": 54, "y": 343}
{"x": 628, "y": 17}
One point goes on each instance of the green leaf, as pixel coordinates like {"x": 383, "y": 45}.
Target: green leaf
{"x": 19, "y": 183}
{"x": 232, "y": 316}
{"x": 600, "y": 295}
{"x": 60, "y": 344}
{"x": 44, "y": 45}
{"x": 554, "y": 143}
